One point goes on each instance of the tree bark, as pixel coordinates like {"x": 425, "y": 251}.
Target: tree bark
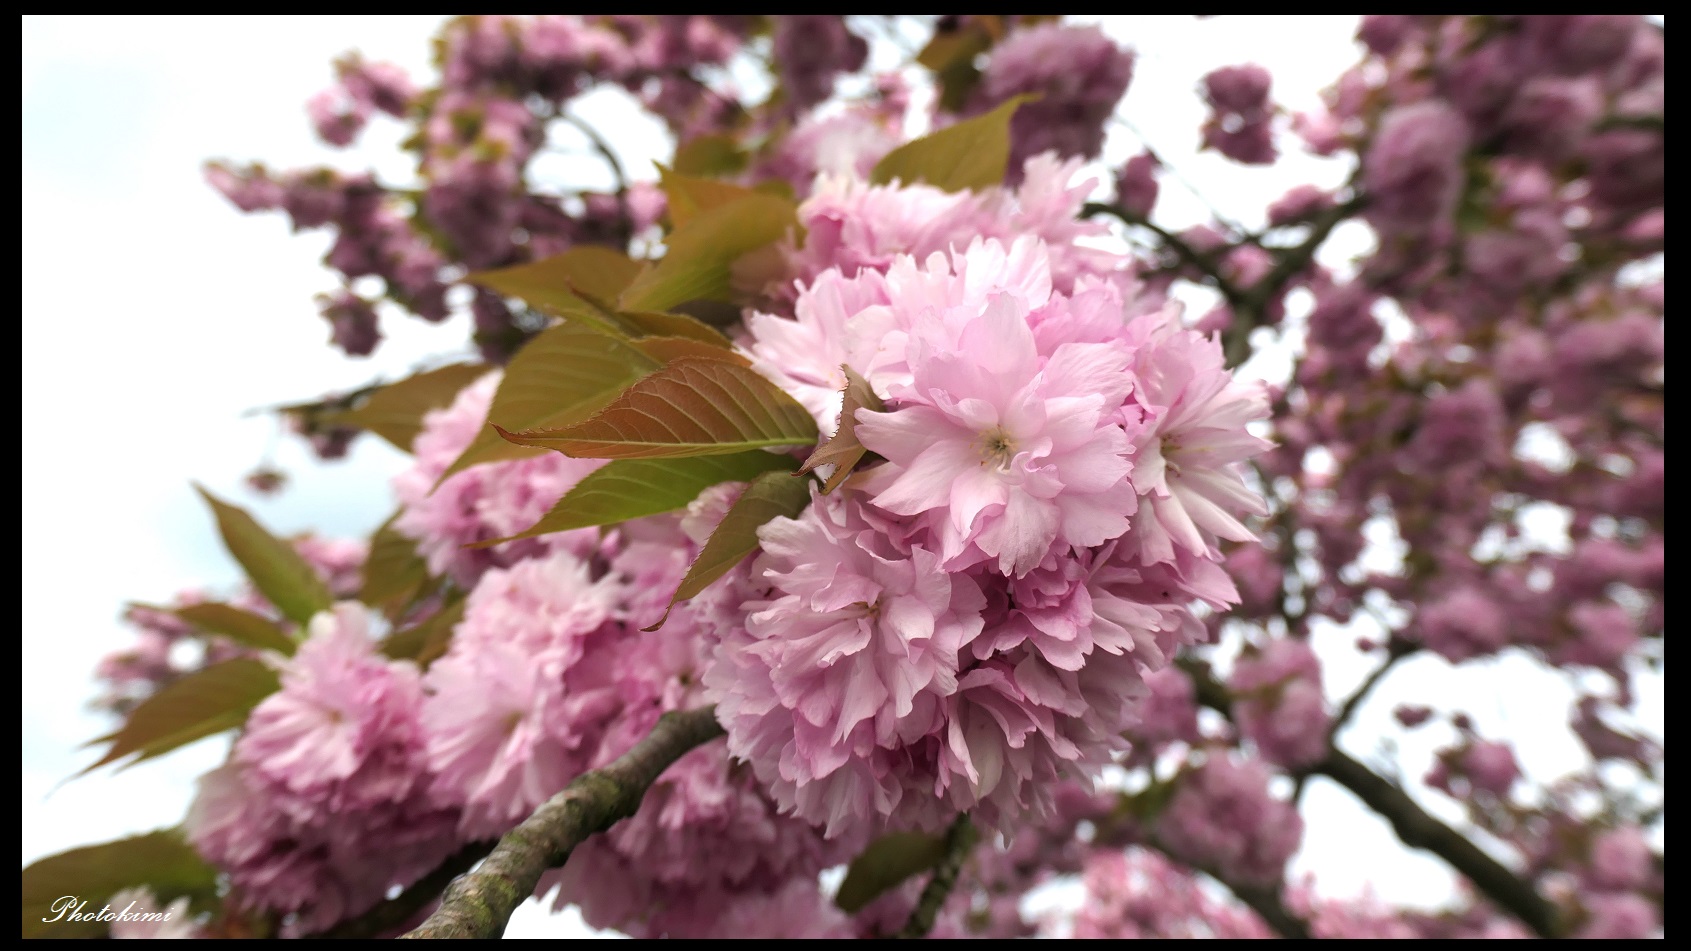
{"x": 479, "y": 903}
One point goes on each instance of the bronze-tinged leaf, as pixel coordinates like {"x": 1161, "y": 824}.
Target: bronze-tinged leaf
{"x": 634, "y": 488}
{"x": 395, "y": 411}
{"x": 162, "y": 861}
{"x": 395, "y": 576}
{"x": 771, "y": 495}
{"x": 275, "y": 569}
{"x": 670, "y": 349}
{"x": 561, "y": 283}
{"x": 885, "y": 864}
{"x": 562, "y": 376}
{"x": 240, "y": 626}
{"x": 645, "y": 323}
{"x": 842, "y": 450}
{"x": 428, "y": 639}
{"x": 193, "y": 706}
{"x": 691, "y": 407}
{"x": 701, "y": 253}
{"x": 970, "y": 155}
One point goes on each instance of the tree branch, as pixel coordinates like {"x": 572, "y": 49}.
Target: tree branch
{"x": 1205, "y": 263}
{"x": 1248, "y": 304}
{"x": 1417, "y": 829}
{"x": 1175, "y": 173}
{"x": 605, "y": 151}
{"x": 1265, "y": 900}
{"x": 1396, "y": 650}
{"x": 1249, "y": 311}
{"x": 1268, "y": 906}
{"x": 1414, "y": 826}
{"x": 478, "y": 904}
{"x": 959, "y": 839}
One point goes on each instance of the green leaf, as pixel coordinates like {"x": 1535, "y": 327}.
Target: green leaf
{"x": 688, "y": 195}
{"x": 633, "y": 488}
{"x": 582, "y": 284}
{"x": 197, "y": 705}
{"x": 701, "y": 253}
{"x": 562, "y": 376}
{"x": 428, "y": 639}
{"x": 162, "y": 861}
{"x": 779, "y": 187}
{"x": 710, "y": 155}
{"x": 842, "y": 450}
{"x": 275, "y": 569}
{"x": 395, "y": 411}
{"x": 771, "y": 495}
{"x": 972, "y": 154}
{"x": 885, "y": 864}
{"x": 241, "y": 626}
{"x": 394, "y": 574}
{"x": 691, "y": 407}
{"x": 562, "y": 282}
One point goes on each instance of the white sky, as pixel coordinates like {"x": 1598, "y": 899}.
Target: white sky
{"x": 155, "y": 315}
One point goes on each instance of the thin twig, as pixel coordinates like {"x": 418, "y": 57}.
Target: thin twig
{"x": 610, "y": 157}
{"x": 1251, "y": 311}
{"x": 1396, "y": 650}
{"x": 1205, "y": 263}
{"x": 479, "y": 904}
{"x": 1174, "y": 172}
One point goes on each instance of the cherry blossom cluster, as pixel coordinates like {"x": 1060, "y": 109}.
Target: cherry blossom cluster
{"x": 969, "y": 620}
{"x": 505, "y": 89}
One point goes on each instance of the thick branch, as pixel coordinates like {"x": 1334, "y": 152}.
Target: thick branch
{"x": 1420, "y": 830}
{"x": 959, "y": 839}
{"x": 478, "y": 904}
{"x": 1265, "y": 900}
{"x": 1268, "y": 906}
{"x": 1414, "y": 826}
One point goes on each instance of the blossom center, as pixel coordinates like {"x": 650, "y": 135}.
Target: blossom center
{"x": 996, "y": 448}
{"x": 1171, "y": 449}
